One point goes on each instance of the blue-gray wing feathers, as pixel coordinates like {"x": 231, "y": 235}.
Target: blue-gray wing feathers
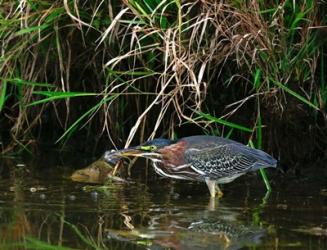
{"x": 227, "y": 160}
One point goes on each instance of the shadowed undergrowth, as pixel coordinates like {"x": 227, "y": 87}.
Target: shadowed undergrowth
{"x": 117, "y": 72}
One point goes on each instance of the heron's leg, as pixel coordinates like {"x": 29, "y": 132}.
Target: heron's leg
{"x": 212, "y": 204}
{"x": 212, "y": 187}
{"x": 218, "y": 191}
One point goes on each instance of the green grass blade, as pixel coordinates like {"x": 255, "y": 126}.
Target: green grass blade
{"x": 36, "y": 244}
{"x": 224, "y": 122}
{"x": 259, "y": 130}
{"x": 74, "y": 125}
{"x": 257, "y": 79}
{"x": 229, "y": 134}
{"x": 52, "y": 96}
{"x": 262, "y": 172}
{"x": 85, "y": 239}
{"x": 31, "y": 29}
{"x": 133, "y": 73}
{"x": 323, "y": 84}
{"x": 178, "y": 4}
{"x": 87, "y": 113}
{"x": 265, "y": 179}
{"x": 296, "y": 95}
{"x": 3, "y": 94}
{"x": 259, "y": 145}
{"x": 18, "y": 81}
{"x": 141, "y": 10}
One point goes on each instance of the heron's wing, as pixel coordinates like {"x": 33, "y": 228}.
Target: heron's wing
{"x": 221, "y": 160}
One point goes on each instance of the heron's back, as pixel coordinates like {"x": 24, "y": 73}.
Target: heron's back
{"x": 218, "y": 157}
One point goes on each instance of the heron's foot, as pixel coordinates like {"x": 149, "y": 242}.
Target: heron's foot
{"x": 226, "y": 240}
{"x": 214, "y": 188}
{"x": 219, "y": 192}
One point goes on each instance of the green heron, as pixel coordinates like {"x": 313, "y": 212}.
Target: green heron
{"x": 211, "y": 159}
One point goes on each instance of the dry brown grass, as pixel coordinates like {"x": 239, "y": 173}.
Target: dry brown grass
{"x": 152, "y": 70}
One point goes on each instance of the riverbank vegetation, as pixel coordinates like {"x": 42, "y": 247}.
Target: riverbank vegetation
{"x": 114, "y": 73}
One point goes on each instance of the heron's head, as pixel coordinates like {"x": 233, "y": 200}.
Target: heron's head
{"x": 149, "y": 150}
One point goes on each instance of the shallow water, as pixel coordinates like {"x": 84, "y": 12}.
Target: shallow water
{"x": 40, "y": 208}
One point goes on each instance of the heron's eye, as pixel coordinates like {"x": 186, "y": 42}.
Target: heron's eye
{"x": 149, "y": 148}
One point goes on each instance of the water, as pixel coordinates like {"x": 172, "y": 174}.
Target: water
{"x": 40, "y": 208}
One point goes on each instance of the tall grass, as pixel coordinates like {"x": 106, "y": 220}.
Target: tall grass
{"x": 133, "y": 69}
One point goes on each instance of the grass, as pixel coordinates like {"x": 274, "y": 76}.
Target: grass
{"x": 35, "y": 244}
{"x": 129, "y": 70}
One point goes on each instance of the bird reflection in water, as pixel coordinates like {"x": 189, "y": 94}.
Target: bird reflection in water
{"x": 200, "y": 234}
{"x": 210, "y": 234}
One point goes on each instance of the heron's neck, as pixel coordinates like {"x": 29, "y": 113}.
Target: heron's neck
{"x": 155, "y": 157}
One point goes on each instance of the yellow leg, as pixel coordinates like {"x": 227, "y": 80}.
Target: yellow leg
{"x": 218, "y": 191}
{"x": 212, "y": 187}
{"x": 212, "y": 204}
{"x": 226, "y": 241}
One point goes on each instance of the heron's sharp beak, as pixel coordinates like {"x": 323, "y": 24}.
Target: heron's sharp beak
{"x": 115, "y": 156}
{"x": 132, "y": 151}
